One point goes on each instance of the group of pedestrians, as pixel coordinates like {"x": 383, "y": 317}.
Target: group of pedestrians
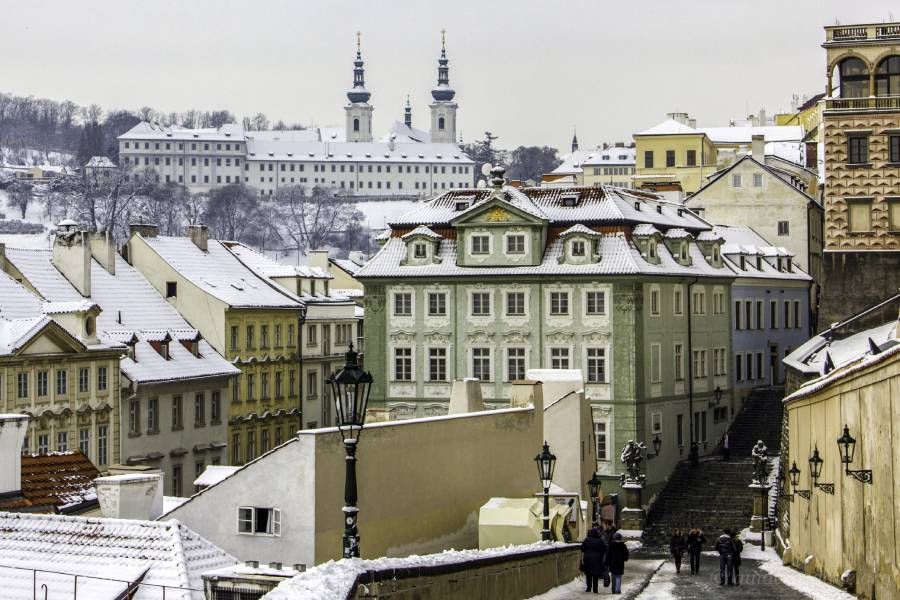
{"x": 603, "y": 557}
{"x": 729, "y": 547}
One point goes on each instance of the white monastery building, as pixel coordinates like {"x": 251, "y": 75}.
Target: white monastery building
{"x": 406, "y": 161}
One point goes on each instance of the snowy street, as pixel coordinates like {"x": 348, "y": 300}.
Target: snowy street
{"x": 762, "y": 577}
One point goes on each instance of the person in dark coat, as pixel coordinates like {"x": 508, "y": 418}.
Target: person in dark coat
{"x": 676, "y": 547}
{"x": 725, "y": 548}
{"x": 607, "y": 531}
{"x": 726, "y": 447}
{"x": 738, "y": 547}
{"x": 593, "y": 557}
{"x": 616, "y": 557}
{"x": 695, "y": 541}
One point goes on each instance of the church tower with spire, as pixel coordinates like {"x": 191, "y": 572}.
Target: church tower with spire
{"x": 407, "y": 113}
{"x": 359, "y": 111}
{"x": 443, "y": 109}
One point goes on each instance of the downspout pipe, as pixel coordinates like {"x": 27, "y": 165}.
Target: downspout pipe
{"x": 690, "y": 358}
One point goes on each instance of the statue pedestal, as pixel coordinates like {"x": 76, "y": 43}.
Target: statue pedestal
{"x": 760, "y": 506}
{"x": 633, "y": 515}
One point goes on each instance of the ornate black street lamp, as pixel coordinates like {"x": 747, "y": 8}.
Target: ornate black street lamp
{"x": 815, "y": 471}
{"x": 718, "y": 394}
{"x": 546, "y": 462}
{"x": 794, "y": 474}
{"x": 594, "y": 489}
{"x": 847, "y": 447}
{"x": 657, "y": 445}
{"x": 350, "y": 390}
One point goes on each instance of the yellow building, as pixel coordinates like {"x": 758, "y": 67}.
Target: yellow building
{"x": 845, "y": 529}
{"x": 244, "y": 317}
{"x": 673, "y": 152}
{"x": 55, "y": 370}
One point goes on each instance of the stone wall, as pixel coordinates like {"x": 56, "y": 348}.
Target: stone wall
{"x": 509, "y": 577}
{"x": 854, "y": 281}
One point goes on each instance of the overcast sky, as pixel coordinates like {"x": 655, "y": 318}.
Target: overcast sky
{"x": 528, "y": 71}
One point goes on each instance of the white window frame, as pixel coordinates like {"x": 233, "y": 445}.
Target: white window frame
{"x": 412, "y": 303}
{"x": 678, "y": 361}
{"x": 736, "y": 180}
{"x": 473, "y": 237}
{"x": 562, "y": 295}
{"x": 507, "y": 239}
{"x": 428, "y": 352}
{"x": 581, "y": 245}
{"x": 524, "y": 359}
{"x": 490, "y": 362}
{"x": 587, "y": 302}
{"x": 699, "y": 364}
{"x": 506, "y": 296}
{"x": 678, "y": 300}
{"x": 562, "y": 354}
{"x": 410, "y": 357}
{"x": 603, "y": 357}
{"x": 443, "y": 295}
{"x": 654, "y": 302}
{"x": 275, "y": 521}
{"x": 490, "y": 303}
{"x": 606, "y": 435}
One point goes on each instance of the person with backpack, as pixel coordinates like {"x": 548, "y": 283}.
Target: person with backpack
{"x": 616, "y": 557}
{"x": 593, "y": 558}
{"x": 738, "y": 547}
{"x": 695, "y": 541}
{"x": 676, "y": 547}
{"x": 725, "y": 548}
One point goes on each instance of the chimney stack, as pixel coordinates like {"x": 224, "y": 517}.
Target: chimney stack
{"x": 72, "y": 257}
{"x": 103, "y": 248}
{"x": 147, "y": 230}
{"x": 12, "y": 435}
{"x": 465, "y": 396}
{"x": 199, "y": 234}
{"x": 319, "y": 258}
{"x": 133, "y": 496}
{"x": 758, "y": 147}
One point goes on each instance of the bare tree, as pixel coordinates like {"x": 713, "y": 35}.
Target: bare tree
{"x": 260, "y": 122}
{"x": 20, "y": 195}
{"x": 101, "y": 199}
{"x": 311, "y": 219}
{"x": 232, "y": 212}
{"x": 147, "y": 114}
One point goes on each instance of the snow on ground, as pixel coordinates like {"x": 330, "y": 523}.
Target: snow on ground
{"x": 813, "y": 587}
{"x": 663, "y": 584}
{"x": 334, "y": 579}
{"x": 637, "y": 573}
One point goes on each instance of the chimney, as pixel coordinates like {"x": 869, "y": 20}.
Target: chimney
{"x": 762, "y": 117}
{"x": 319, "y": 258}
{"x": 527, "y": 392}
{"x": 12, "y": 435}
{"x": 147, "y": 230}
{"x": 103, "y": 248}
{"x": 199, "y": 234}
{"x": 72, "y": 257}
{"x": 758, "y": 147}
{"x": 132, "y": 496}
{"x": 357, "y": 257}
{"x": 680, "y": 117}
{"x": 465, "y": 396}
{"x": 692, "y": 123}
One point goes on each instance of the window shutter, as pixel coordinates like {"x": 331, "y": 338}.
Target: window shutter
{"x": 276, "y": 521}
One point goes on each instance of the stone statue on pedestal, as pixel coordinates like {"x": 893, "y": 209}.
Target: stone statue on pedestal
{"x": 760, "y": 456}
{"x": 632, "y": 455}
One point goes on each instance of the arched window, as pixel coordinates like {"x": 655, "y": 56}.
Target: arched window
{"x": 887, "y": 77}
{"x": 441, "y": 123}
{"x": 355, "y": 124}
{"x": 854, "y": 78}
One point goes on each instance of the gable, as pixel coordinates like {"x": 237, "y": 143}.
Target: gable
{"x": 496, "y": 211}
{"x": 720, "y": 190}
{"x": 52, "y": 339}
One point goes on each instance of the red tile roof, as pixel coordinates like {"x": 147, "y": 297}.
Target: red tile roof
{"x": 59, "y": 482}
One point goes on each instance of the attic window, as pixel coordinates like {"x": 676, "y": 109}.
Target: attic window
{"x": 419, "y": 250}
{"x": 717, "y": 256}
{"x": 462, "y": 205}
{"x": 659, "y": 208}
{"x": 89, "y": 325}
{"x": 577, "y": 248}
{"x": 171, "y": 289}
{"x": 570, "y": 200}
{"x": 651, "y": 249}
{"x": 759, "y": 263}
{"x": 684, "y": 251}
{"x": 637, "y": 205}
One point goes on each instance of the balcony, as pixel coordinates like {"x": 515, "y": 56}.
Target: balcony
{"x": 874, "y": 103}
{"x": 862, "y": 33}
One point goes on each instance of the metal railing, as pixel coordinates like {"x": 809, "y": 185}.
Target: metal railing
{"x": 852, "y": 33}
{"x": 69, "y": 583}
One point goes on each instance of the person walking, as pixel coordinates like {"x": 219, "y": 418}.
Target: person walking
{"x": 606, "y": 534}
{"x": 593, "y": 557}
{"x": 616, "y": 557}
{"x": 725, "y": 548}
{"x": 676, "y": 547}
{"x": 695, "y": 541}
{"x": 738, "y": 547}
{"x": 726, "y": 447}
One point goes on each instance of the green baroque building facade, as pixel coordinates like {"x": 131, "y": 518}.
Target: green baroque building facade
{"x": 489, "y": 283}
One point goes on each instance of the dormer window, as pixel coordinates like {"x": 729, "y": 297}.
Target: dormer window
{"x": 171, "y": 289}
{"x": 577, "y": 248}
{"x": 515, "y": 244}
{"x": 759, "y": 263}
{"x": 743, "y": 263}
{"x": 89, "y": 326}
{"x": 717, "y": 253}
{"x": 462, "y": 205}
{"x": 651, "y": 249}
{"x": 481, "y": 244}
{"x": 684, "y": 251}
{"x": 570, "y": 200}
{"x": 164, "y": 350}
{"x": 420, "y": 250}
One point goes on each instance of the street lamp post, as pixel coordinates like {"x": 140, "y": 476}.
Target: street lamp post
{"x": 815, "y": 471}
{"x": 847, "y": 447}
{"x": 594, "y": 488}
{"x": 546, "y": 462}
{"x": 350, "y": 391}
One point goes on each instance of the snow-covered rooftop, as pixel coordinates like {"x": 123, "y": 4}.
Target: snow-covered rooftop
{"x": 731, "y": 134}
{"x": 105, "y": 554}
{"x": 270, "y": 267}
{"x": 213, "y": 474}
{"x": 744, "y": 241}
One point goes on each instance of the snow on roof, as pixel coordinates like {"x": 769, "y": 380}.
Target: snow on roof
{"x": 368, "y": 152}
{"x": 809, "y": 357}
{"x": 15, "y": 333}
{"x": 17, "y": 302}
{"x": 743, "y": 240}
{"x": 613, "y": 155}
{"x": 677, "y": 233}
{"x": 859, "y": 362}
{"x": 229, "y": 132}
{"x": 579, "y": 229}
{"x": 619, "y": 257}
{"x": 213, "y": 474}
{"x": 69, "y": 306}
{"x": 420, "y": 231}
{"x": 131, "y": 308}
{"x": 645, "y": 229}
{"x": 99, "y": 550}
{"x": 400, "y": 132}
{"x": 54, "y": 481}
{"x": 219, "y": 273}
{"x": 349, "y": 292}
{"x": 383, "y": 235}
{"x": 744, "y": 135}
{"x": 351, "y": 266}
{"x": 669, "y": 127}
{"x": 271, "y": 268}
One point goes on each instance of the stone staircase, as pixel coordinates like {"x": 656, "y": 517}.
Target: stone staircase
{"x": 715, "y": 495}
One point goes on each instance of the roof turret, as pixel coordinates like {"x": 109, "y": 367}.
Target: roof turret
{"x": 443, "y": 92}
{"x": 358, "y": 94}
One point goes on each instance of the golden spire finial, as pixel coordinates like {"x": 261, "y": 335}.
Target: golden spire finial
{"x": 443, "y": 39}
